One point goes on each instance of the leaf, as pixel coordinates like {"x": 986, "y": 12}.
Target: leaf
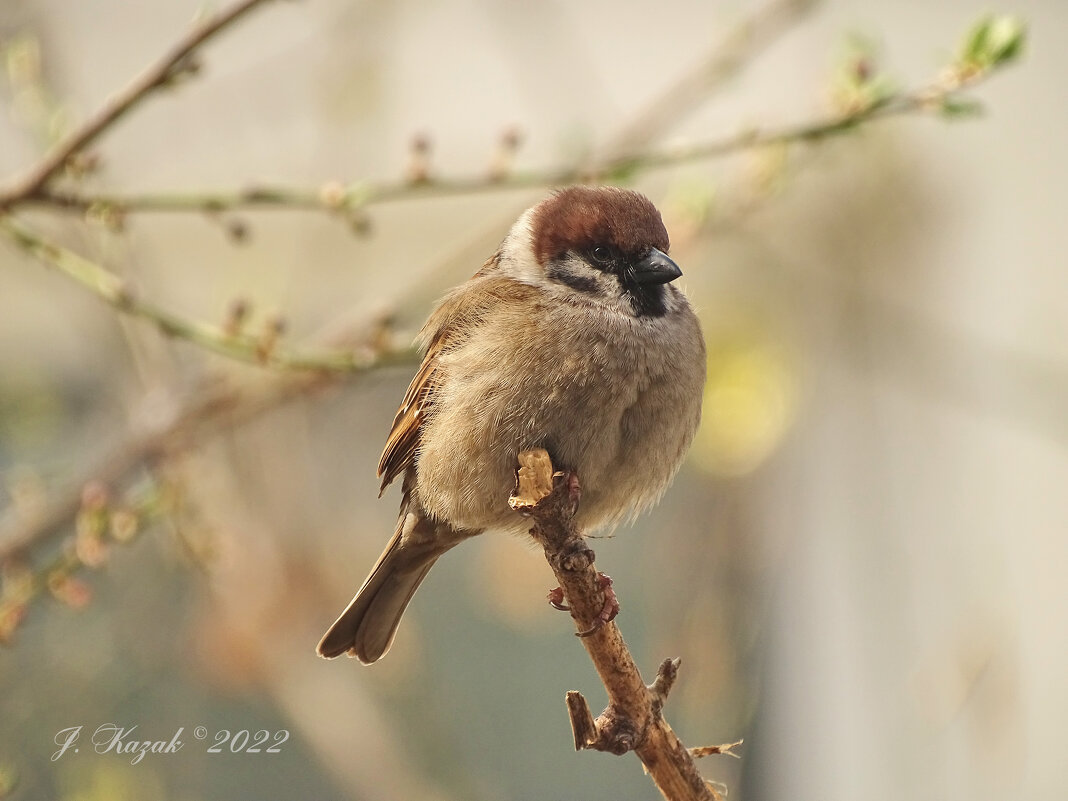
{"x": 974, "y": 48}
{"x": 993, "y": 42}
{"x": 957, "y": 108}
{"x": 1005, "y": 39}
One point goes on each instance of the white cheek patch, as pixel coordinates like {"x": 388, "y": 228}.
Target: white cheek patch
{"x": 517, "y": 253}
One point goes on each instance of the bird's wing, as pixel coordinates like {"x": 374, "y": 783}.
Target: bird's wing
{"x": 448, "y": 326}
{"x": 403, "y": 441}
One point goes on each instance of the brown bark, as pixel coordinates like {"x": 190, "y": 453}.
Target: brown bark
{"x": 633, "y": 720}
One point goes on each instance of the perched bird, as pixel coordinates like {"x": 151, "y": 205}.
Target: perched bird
{"x": 570, "y": 338}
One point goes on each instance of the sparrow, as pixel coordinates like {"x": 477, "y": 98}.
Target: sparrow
{"x": 572, "y": 338}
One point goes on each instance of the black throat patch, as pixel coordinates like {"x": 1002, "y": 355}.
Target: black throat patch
{"x": 647, "y": 300}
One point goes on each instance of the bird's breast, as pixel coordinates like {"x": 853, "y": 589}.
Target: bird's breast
{"x": 603, "y": 397}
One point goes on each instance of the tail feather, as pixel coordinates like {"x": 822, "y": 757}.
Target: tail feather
{"x": 369, "y": 623}
{"x": 367, "y": 626}
{"x": 375, "y": 632}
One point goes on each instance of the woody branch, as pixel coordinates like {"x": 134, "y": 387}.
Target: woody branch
{"x": 633, "y": 719}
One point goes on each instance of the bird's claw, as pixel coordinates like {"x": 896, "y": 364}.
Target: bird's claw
{"x": 556, "y": 599}
{"x": 608, "y": 611}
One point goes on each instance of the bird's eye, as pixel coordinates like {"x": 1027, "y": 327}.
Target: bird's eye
{"x": 601, "y": 254}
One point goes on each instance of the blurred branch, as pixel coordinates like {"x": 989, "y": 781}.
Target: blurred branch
{"x": 228, "y": 340}
{"x": 101, "y": 521}
{"x": 939, "y": 96}
{"x": 176, "y": 64}
{"x": 665, "y": 110}
{"x": 19, "y": 531}
{"x": 214, "y": 405}
{"x": 633, "y": 720}
{"x": 741, "y": 44}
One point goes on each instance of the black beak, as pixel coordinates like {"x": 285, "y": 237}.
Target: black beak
{"x": 655, "y": 268}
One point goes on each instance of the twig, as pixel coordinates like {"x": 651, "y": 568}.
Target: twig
{"x": 215, "y": 404}
{"x": 18, "y": 531}
{"x": 927, "y": 99}
{"x": 583, "y": 726}
{"x": 102, "y": 521}
{"x": 666, "y": 108}
{"x": 633, "y": 720}
{"x": 709, "y": 750}
{"x": 175, "y": 63}
{"x": 260, "y": 349}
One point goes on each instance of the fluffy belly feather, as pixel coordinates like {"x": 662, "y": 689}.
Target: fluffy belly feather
{"x": 466, "y": 478}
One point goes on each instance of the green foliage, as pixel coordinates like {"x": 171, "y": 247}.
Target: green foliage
{"x": 958, "y": 108}
{"x": 994, "y": 41}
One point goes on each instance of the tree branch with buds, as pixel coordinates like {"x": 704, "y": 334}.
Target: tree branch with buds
{"x": 229, "y": 339}
{"x": 175, "y": 63}
{"x": 633, "y": 719}
{"x": 218, "y": 403}
{"x": 862, "y": 96}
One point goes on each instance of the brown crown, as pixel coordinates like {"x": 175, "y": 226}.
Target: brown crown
{"x": 581, "y": 217}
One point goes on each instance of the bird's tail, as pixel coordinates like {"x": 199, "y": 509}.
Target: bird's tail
{"x": 368, "y": 625}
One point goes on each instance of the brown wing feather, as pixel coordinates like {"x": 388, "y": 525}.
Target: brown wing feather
{"x": 403, "y": 440}
{"x": 439, "y": 333}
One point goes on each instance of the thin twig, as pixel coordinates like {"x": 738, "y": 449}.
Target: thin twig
{"x": 19, "y": 531}
{"x": 218, "y": 403}
{"x": 930, "y": 98}
{"x": 724, "y": 748}
{"x": 261, "y": 349}
{"x": 174, "y": 63}
{"x": 650, "y": 121}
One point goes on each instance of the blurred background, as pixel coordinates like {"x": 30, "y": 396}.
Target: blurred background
{"x": 861, "y": 564}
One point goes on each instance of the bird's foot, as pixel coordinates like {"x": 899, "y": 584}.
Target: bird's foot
{"x": 556, "y": 599}
{"x": 608, "y": 611}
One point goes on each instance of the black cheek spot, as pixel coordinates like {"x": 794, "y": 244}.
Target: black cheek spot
{"x": 580, "y": 283}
